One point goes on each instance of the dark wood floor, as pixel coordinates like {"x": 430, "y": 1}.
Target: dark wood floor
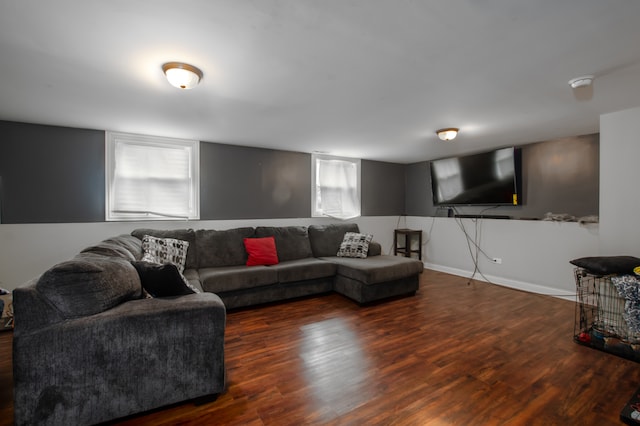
{"x": 455, "y": 354}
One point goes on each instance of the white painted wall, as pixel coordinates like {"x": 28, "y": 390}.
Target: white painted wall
{"x": 620, "y": 182}
{"x": 28, "y": 250}
{"x": 535, "y": 254}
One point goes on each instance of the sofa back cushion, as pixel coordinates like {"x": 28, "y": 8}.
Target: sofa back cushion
{"x": 125, "y": 247}
{"x": 89, "y": 284}
{"x": 109, "y": 250}
{"x": 188, "y": 235}
{"x": 326, "y": 239}
{"x": 132, "y": 244}
{"x": 292, "y": 242}
{"x": 222, "y": 248}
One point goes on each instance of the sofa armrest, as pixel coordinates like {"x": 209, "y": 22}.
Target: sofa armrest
{"x": 31, "y": 310}
{"x": 137, "y": 356}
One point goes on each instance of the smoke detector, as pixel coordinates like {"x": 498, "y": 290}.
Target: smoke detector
{"x": 583, "y": 81}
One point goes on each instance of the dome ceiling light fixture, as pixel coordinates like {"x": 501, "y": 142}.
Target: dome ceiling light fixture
{"x": 448, "y": 133}
{"x": 583, "y": 81}
{"x": 181, "y": 75}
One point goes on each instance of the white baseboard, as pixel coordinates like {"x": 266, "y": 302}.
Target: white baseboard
{"x": 505, "y": 282}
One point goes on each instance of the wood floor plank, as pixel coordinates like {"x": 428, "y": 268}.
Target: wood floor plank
{"x": 456, "y": 353}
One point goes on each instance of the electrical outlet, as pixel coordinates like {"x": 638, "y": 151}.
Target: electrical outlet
{"x": 497, "y": 260}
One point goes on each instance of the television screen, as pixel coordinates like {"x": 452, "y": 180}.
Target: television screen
{"x": 489, "y": 178}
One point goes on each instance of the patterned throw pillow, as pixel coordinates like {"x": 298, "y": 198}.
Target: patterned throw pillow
{"x": 165, "y": 250}
{"x": 355, "y": 245}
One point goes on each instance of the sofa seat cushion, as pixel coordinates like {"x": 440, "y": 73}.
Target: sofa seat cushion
{"x": 89, "y": 284}
{"x": 292, "y": 242}
{"x": 230, "y": 278}
{"x": 304, "y": 269}
{"x": 222, "y": 248}
{"x": 377, "y": 269}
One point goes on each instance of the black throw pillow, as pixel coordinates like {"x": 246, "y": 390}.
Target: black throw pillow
{"x": 162, "y": 280}
{"x": 606, "y": 265}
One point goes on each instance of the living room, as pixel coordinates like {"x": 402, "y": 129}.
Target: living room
{"x": 52, "y": 170}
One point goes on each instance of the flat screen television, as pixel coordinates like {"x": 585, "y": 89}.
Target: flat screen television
{"x": 488, "y": 178}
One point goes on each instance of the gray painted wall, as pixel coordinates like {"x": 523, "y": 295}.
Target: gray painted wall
{"x": 383, "y": 188}
{"x": 418, "y": 192}
{"x": 252, "y": 183}
{"x": 560, "y": 176}
{"x": 52, "y": 174}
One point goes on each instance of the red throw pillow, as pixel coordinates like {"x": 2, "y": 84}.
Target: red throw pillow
{"x": 262, "y": 251}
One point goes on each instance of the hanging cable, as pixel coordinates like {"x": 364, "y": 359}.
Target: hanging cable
{"x": 473, "y": 244}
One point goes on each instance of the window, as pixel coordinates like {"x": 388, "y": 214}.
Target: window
{"x": 151, "y": 178}
{"x": 335, "y": 185}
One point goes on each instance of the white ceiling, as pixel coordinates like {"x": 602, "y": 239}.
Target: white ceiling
{"x": 371, "y": 79}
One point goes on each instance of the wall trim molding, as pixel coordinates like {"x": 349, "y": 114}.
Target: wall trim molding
{"x": 505, "y": 282}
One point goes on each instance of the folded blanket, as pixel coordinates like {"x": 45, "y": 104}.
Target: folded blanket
{"x": 628, "y": 287}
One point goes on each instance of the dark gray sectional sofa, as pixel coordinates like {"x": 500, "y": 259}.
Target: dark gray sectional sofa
{"x": 88, "y": 347}
{"x": 307, "y": 265}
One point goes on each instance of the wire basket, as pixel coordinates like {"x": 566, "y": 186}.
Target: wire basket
{"x": 599, "y": 319}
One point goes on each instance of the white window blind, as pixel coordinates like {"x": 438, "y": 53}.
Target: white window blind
{"x": 151, "y": 178}
{"x": 336, "y": 187}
